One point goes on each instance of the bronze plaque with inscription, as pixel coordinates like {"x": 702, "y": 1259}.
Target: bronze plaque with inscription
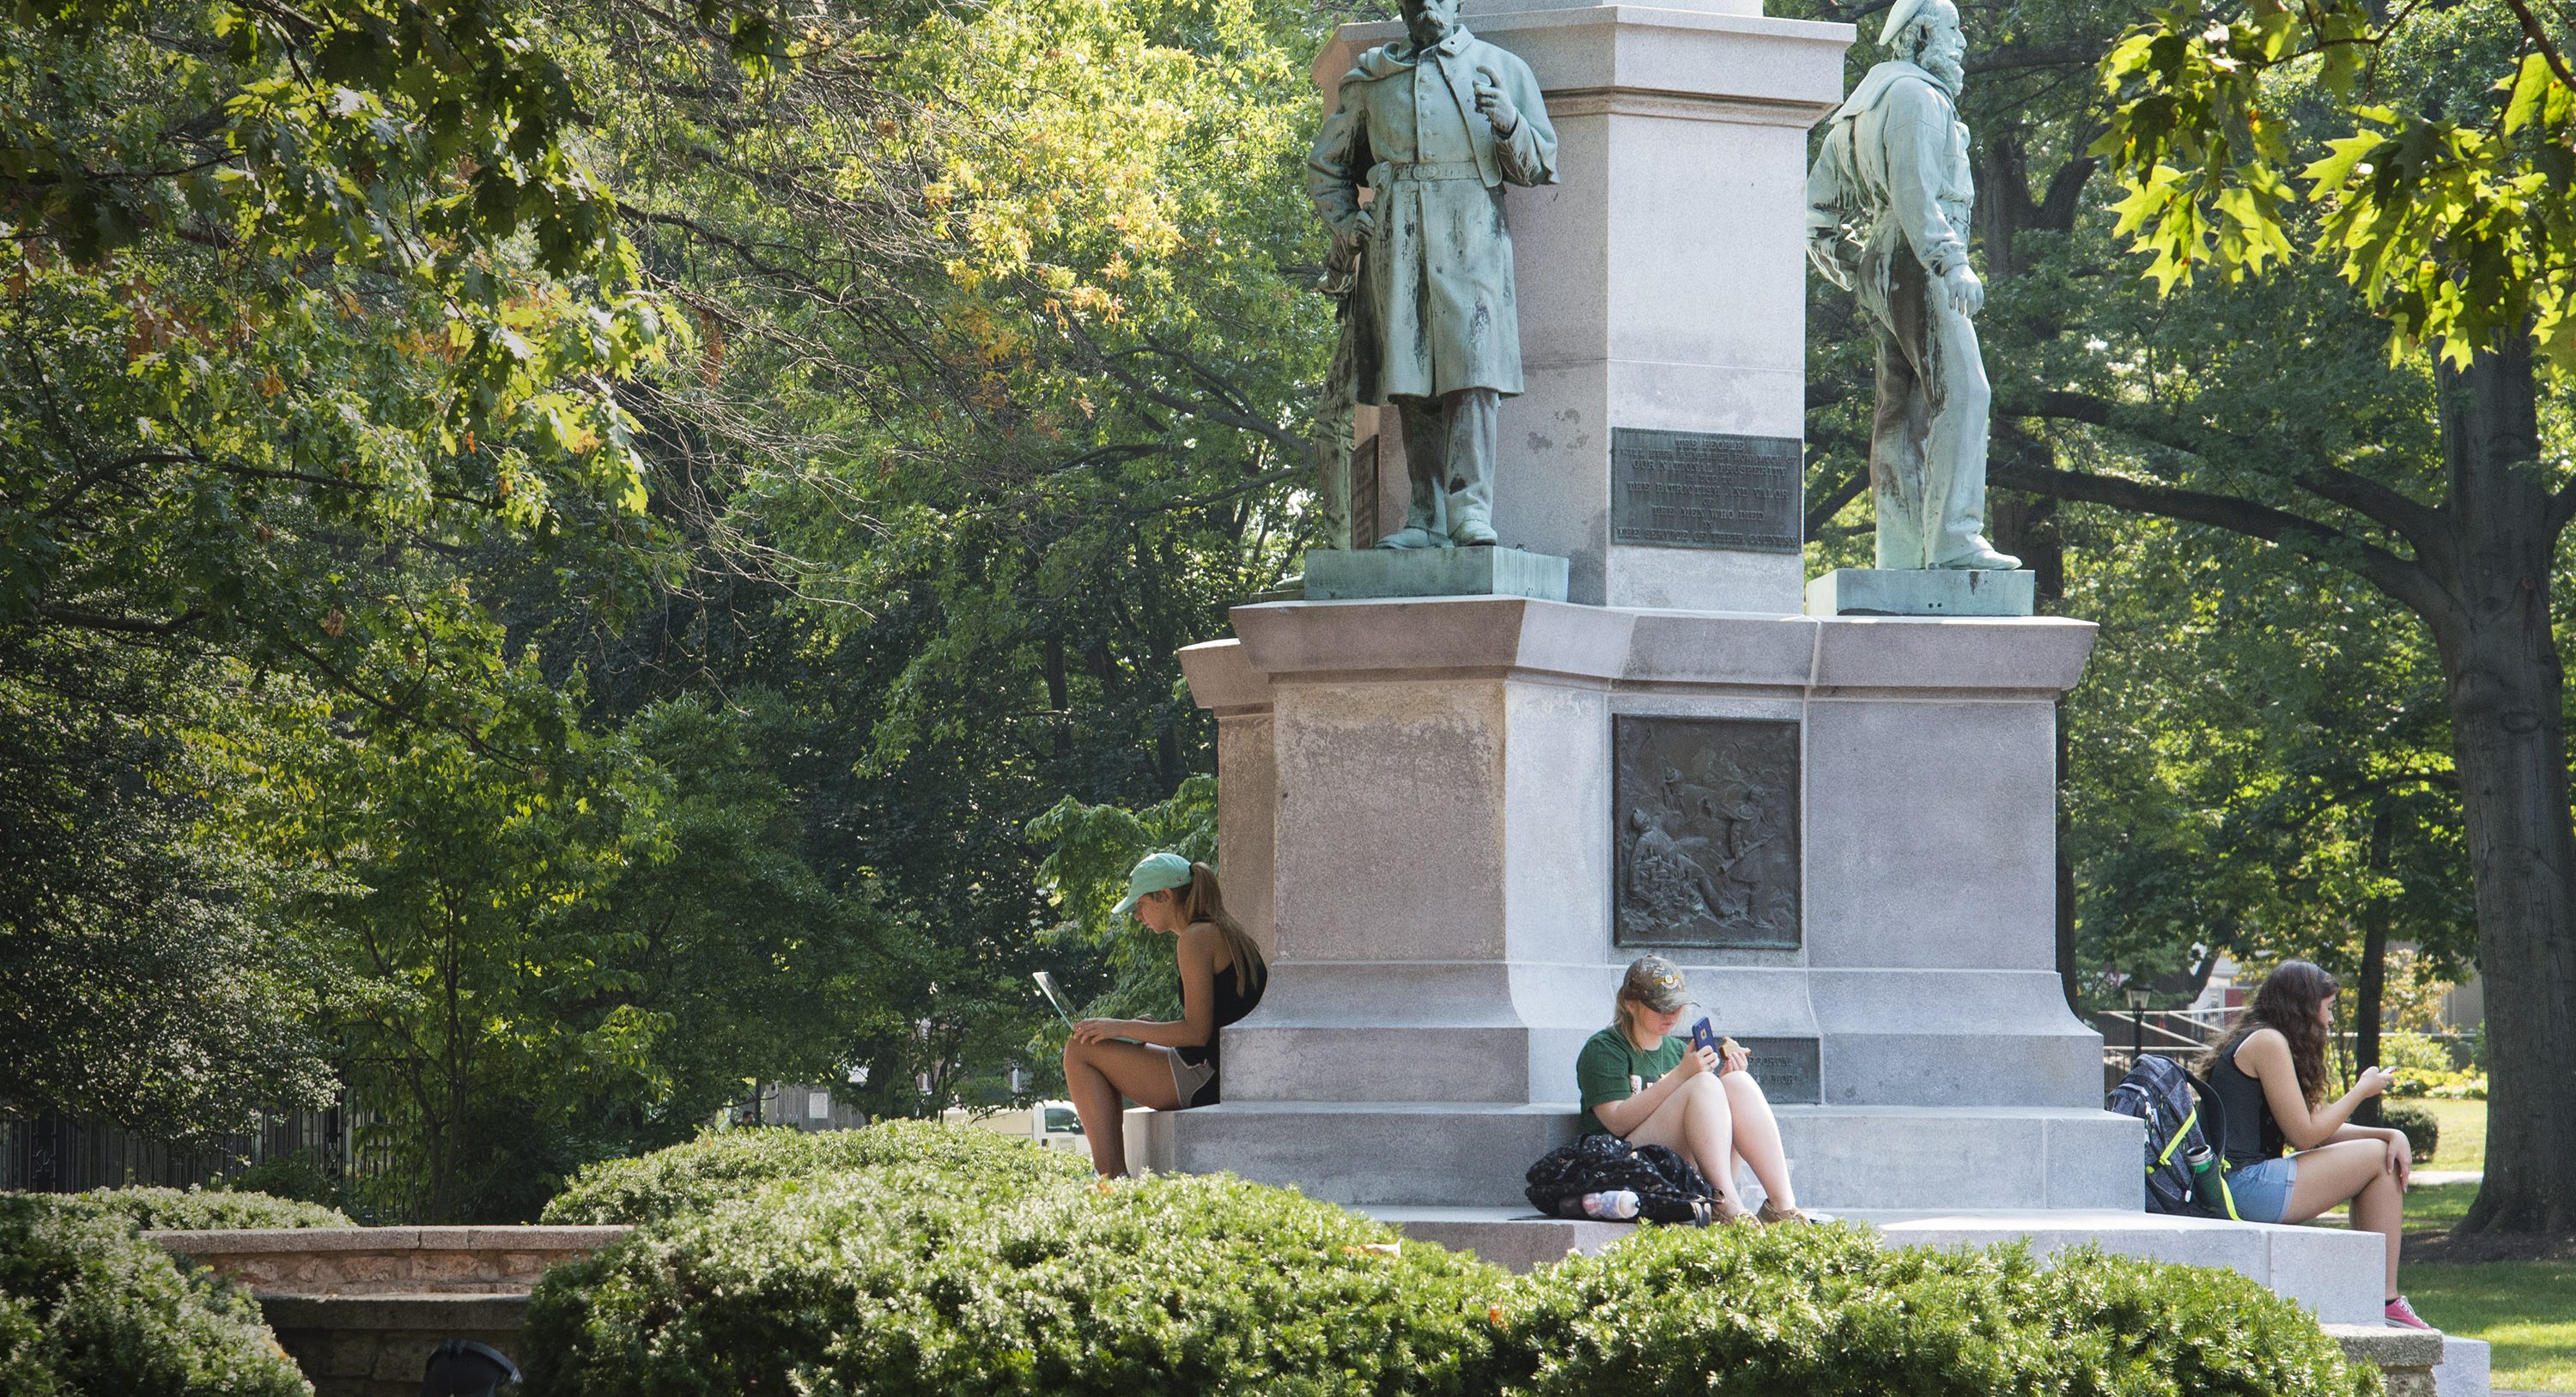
{"x": 1707, "y": 840}
{"x": 1707, "y": 490}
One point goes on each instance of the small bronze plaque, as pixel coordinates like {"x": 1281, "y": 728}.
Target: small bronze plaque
{"x": 1707, "y": 840}
{"x": 1707, "y": 490}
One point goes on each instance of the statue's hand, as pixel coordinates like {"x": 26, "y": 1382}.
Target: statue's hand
{"x": 1351, "y": 233}
{"x": 1495, "y": 104}
{"x": 1967, "y": 294}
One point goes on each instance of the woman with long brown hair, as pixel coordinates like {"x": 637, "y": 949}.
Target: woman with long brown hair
{"x": 1168, "y": 1066}
{"x": 2270, "y": 1075}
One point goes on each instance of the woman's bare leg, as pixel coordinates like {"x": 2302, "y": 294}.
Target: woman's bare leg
{"x": 2358, "y": 1170}
{"x": 1096, "y": 1075}
{"x": 1697, "y": 1123}
{"x": 1757, "y": 1137}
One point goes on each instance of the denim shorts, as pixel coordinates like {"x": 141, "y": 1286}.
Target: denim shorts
{"x": 2262, "y": 1191}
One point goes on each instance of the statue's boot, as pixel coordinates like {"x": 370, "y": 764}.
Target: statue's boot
{"x": 1980, "y": 556}
{"x": 1413, "y": 536}
{"x": 1474, "y": 533}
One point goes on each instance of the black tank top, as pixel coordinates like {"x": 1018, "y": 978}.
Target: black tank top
{"x": 1232, "y": 1003}
{"x": 2252, "y": 1134}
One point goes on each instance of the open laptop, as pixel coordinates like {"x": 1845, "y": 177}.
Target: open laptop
{"x": 1046, "y": 986}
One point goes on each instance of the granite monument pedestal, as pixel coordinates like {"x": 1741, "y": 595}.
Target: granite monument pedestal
{"x": 1459, "y": 867}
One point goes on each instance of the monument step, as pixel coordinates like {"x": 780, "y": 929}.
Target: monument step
{"x": 1398, "y": 1153}
{"x": 2331, "y": 1272}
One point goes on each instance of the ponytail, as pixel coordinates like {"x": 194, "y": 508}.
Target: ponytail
{"x": 1207, "y": 904}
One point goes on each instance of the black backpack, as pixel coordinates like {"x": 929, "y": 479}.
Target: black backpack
{"x": 1668, "y": 1188}
{"x": 2186, "y": 1174}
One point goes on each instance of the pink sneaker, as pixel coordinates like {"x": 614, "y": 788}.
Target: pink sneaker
{"x": 2403, "y": 1314}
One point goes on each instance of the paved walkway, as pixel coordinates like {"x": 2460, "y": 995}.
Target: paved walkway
{"x": 2429, "y": 1177}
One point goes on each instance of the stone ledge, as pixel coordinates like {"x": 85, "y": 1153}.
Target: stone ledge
{"x": 2405, "y": 1358}
{"x": 1520, "y": 1239}
{"x": 249, "y": 1240}
{"x": 1998, "y": 657}
{"x": 357, "y": 1261}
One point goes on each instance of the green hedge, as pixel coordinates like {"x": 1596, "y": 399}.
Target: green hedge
{"x": 733, "y": 1164}
{"x": 88, "y": 1308}
{"x": 894, "y": 1281}
{"x": 1826, "y": 1311}
{"x": 194, "y": 1209}
{"x": 907, "y": 1272}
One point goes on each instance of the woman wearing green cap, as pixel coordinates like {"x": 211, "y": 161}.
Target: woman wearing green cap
{"x": 1648, "y": 1087}
{"x": 1167, "y": 1066}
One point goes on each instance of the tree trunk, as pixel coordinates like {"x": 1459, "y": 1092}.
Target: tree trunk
{"x": 2507, "y": 694}
{"x": 2373, "y": 993}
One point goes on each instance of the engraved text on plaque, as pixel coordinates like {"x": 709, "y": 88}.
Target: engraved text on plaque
{"x": 1707, "y": 490}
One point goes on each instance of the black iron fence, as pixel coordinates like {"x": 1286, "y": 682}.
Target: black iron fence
{"x": 343, "y": 1155}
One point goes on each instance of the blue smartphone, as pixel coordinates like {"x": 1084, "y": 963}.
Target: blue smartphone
{"x": 1703, "y": 1036}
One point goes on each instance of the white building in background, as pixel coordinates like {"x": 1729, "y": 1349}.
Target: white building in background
{"x": 806, "y": 1106}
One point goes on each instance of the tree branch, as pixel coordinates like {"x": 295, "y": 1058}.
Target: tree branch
{"x": 2405, "y": 581}
{"x": 2562, "y": 507}
{"x": 2419, "y": 524}
{"x": 122, "y": 625}
{"x": 2539, "y": 36}
{"x": 1822, "y": 512}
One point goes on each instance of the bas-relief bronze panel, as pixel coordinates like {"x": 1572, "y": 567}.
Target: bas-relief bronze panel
{"x": 1707, "y": 839}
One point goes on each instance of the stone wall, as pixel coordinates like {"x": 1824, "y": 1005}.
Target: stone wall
{"x": 2405, "y": 1358}
{"x": 360, "y": 1308}
{"x": 379, "y": 1346}
{"x": 387, "y": 1260}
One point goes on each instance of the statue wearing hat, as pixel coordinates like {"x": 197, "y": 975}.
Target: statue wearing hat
{"x": 1433, "y": 126}
{"x": 1887, "y": 218}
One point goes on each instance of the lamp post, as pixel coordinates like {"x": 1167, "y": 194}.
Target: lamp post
{"x": 2137, "y": 995}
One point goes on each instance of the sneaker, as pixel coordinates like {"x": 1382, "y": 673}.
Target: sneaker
{"x": 2403, "y": 1315}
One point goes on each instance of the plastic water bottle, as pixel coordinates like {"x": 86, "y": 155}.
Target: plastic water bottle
{"x": 1618, "y": 1205}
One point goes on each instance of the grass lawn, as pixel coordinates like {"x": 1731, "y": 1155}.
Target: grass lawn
{"x": 2464, "y": 1134}
{"x": 2525, "y": 1309}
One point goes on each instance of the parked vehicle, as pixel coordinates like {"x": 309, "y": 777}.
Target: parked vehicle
{"x": 1051, "y": 1123}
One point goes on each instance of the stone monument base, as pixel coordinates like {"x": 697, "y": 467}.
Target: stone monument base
{"x": 2332, "y": 1272}
{"x": 1921, "y": 592}
{"x": 1363, "y": 574}
{"x": 1374, "y": 1154}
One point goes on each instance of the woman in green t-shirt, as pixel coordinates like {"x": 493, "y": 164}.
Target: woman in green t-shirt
{"x": 1648, "y": 1087}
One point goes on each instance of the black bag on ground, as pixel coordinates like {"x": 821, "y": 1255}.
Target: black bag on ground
{"x": 1668, "y": 1187}
{"x": 2186, "y": 1127}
